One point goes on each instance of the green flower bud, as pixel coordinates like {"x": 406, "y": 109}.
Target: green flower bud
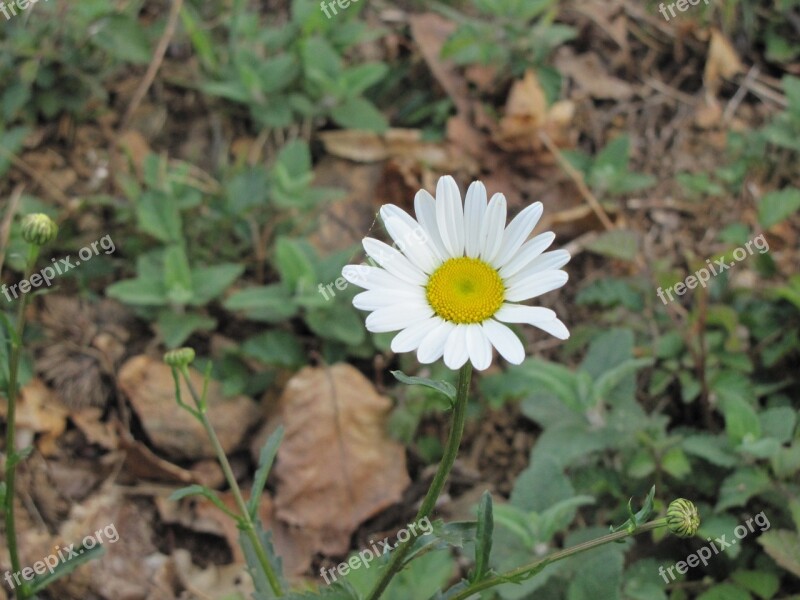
{"x": 180, "y": 357}
{"x": 682, "y": 518}
{"x": 39, "y": 229}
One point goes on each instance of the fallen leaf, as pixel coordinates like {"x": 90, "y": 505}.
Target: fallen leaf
{"x": 149, "y": 386}
{"x": 39, "y": 410}
{"x": 527, "y": 114}
{"x": 591, "y": 76}
{"x": 430, "y": 31}
{"x": 336, "y": 466}
{"x": 722, "y": 62}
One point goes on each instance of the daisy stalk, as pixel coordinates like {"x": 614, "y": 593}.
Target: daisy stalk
{"x": 451, "y": 281}
{"x": 179, "y": 360}
{"x": 38, "y": 230}
{"x": 682, "y": 519}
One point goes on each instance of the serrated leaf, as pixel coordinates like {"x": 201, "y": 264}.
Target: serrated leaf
{"x": 265, "y": 460}
{"x": 483, "y": 537}
{"x": 443, "y": 387}
{"x": 64, "y": 568}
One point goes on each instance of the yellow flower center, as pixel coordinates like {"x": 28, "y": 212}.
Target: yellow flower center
{"x": 465, "y": 290}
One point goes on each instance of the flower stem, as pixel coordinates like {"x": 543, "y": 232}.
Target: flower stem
{"x": 536, "y": 566}
{"x": 245, "y": 521}
{"x": 429, "y": 502}
{"x": 11, "y": 428}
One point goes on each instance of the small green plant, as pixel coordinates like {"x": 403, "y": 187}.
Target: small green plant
{"x": 510, "y": 35}
{"x": 291, "y": 73}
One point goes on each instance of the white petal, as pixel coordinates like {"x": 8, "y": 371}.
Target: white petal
{"x": 529, "y": 251}
{"x": 555, "y": 328}
{"x": 410, "y": 237}
{"x": 425, "y": 209}
{"x": 394, "y": 261}
{"x": 474, "y": 210}
{"x": 432, "y": 347}
{"x": 538, "y": 316}
{"x": 372, "y": 278}
{"x": 549, "y": 261}
{"x": 393, "y": 318}
{"x": 450, "y": 215}
{"x": 506, "y": 342}
{"x": 411, "y": 337}
{"x": 383, "y": 298}
{"x": 455, "y": 350}
{"x": 494, "y": 222}
{"x": 536, "y": 285}
{"x": 478, "y": 347}
{"x": 518, "y": 313}
{"x": 517, "y": 232}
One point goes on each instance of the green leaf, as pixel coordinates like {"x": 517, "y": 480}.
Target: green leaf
{"x": 159, "y": 216}
{"x": 338, "y": 322}
{"x": 138, "y": 292}
{"x": 201, "y": 490}
{"x": 617, "y": 243}
{"x": 177, "y": 275}
{"x": 613, "y": 377}
{"x": 265, "y": 460}
{"x": 123, "y": 38}
{"x": 175, "y": 328}
{"x": 270, "y": 303}
{"x": 714, "y": 449}
{"x": 555, "y": 378}
{"x": 210, "y": 282}
{"x": 741, "y": 420}
{"x": 675, "y": 463}
{"x": 742, "y": 485}
{"x": 263, "y": 588}
{"x": 763, "y": 584}
{"x": 483, "y": 538}
{"x": 358, "y": 113}
{"x": 725, "y": 591}
{"x": 778, "y": 206}
{"x": 293, "y": 264}
{"x": 635, "y": 520}
{"x": 443, "y": 387}
{"x": 778, "y": 423}
{"x": 357, "y": 79}
{"x": 275, "y": 347}
{"x": 85, "y": 554}
{"x": 784, "y": 548}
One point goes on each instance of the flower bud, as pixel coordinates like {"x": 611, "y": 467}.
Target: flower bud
{"x": 39, "y": 229}
{"x": 682, "y": 518}
{"x": 180, "y": 357}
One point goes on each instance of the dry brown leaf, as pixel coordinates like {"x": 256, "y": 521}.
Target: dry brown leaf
{"x": 527, "y": 114}
{"x": 355, "y": 144}
{"x": 591, "y": 75}
{"x": 722, "y": 61}
{"x": 39, "y": 410}
{"x": 336, "y": 465}
{"x": 149, "y": 386}
{"x": 430, "y": 31}
{"x": 231, "y": 581}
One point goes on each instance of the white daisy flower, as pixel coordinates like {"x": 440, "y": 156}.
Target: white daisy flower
{"x": 458, "y": 275}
